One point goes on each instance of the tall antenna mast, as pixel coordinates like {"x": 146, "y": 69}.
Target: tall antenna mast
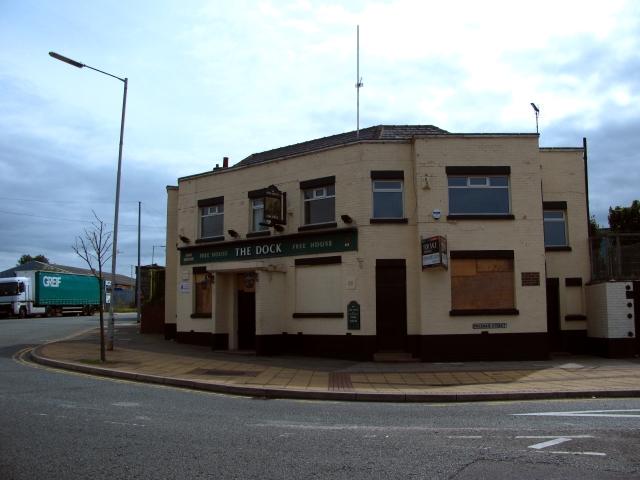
{"x": 359, "y": 83}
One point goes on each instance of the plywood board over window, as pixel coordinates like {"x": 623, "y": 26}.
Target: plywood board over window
{"x": 482, "y": 283}
{"x": 203, "y": 293}
{"x": 319, "y": 290}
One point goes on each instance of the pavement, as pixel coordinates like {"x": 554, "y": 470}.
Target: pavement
{"x": 151, "y": 358}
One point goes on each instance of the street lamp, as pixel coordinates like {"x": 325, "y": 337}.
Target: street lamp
{"x": 537, "y": 110}
{"x": 110, "y": 328}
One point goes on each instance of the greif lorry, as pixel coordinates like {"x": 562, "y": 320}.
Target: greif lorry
{"x": 49, "y": 293}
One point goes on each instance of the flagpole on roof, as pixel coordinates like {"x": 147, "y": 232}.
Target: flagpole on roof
{"x": 359, "y": 83}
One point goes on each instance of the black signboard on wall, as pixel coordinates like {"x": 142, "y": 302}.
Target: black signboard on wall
{"x": 353, "y": 315}
{"x": 434, "y": 252}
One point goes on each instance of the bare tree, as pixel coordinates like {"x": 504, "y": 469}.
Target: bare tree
{"x": 94, "y": 248}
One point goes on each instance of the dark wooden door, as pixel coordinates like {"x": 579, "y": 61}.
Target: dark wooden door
{"x": 391, "y": 304}
{"x": 246, "y": 320}
{"x": 553, "y": 314}
{"x": 636, "y": 312}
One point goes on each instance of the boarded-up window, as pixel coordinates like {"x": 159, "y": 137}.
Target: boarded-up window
{"x": 319, "y": 289}
{"x": 573, "y": 301}
{"x": 482, "y": 283}
{"x": 202, "y": 292}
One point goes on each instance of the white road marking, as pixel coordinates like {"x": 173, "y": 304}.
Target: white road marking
{"x": 550, "y": 443}
{"x": 126, "y": 404}
{"x": 558, "y": 440}
{"x": 125, "y": 424}
{"x": 464, "y": 436}
{"x": 629, "y": 413}
{"x": 597, "y": 454}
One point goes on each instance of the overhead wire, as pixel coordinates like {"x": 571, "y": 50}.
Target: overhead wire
{"x": 76, "y": 220}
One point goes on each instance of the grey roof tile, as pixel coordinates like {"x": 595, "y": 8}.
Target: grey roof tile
{"x": 378, "y": 132}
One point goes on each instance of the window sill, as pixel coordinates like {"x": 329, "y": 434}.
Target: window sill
{"x": 388, "y": 220}
{"x": 318, "y": 226}
{"x": 465, "y": 216}
{"x": 565, "y": 248}
{"x": 210, "y": 239}
{"x": 318, "y": 315}
{"x": 200, "y": 315}
{"x": 261, "y": 233}
{"x": 484, "y": 311}
{"x": 571, "y": 318}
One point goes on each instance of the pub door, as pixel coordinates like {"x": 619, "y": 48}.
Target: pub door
{"x": 391, "y": 305}
{"x": 246, "y": 320}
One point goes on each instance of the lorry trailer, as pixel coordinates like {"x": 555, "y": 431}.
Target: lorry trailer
{"x": 49, "y": 293}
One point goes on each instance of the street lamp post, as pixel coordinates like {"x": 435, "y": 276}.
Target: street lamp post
{"x": 110, "y": 327}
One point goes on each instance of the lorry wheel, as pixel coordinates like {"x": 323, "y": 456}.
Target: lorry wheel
{"x": 23, "y": 312}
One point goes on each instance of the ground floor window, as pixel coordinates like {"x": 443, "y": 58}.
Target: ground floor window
{"x": 482, "y": 282}
{"x": 202, "y": 292}
{"x": 319, "y": 290}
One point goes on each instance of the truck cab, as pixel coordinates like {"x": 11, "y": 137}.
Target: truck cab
{"x": 16, "y": 297}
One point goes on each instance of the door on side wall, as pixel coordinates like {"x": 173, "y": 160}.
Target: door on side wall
{"x": 246, "y": 320}
{"x": 553, "y": 314}
{"x": 391, "y": 305}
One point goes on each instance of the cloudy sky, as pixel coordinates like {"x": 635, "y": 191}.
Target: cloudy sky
{"x": 209, "y": 79}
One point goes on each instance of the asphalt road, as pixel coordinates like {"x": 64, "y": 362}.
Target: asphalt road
{"x": 67, "y": 426}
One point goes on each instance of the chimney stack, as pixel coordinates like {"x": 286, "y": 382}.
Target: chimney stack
{"x": 225, "y": 162}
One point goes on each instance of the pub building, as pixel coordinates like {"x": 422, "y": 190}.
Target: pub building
{"x": 394, "y": 242}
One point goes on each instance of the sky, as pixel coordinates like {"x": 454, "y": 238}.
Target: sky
{"x": 209, "y": 79}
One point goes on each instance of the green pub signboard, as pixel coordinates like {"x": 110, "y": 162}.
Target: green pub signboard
{"x": 281, "y": 246}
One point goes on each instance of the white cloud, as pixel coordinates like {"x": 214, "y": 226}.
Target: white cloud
{"x": 210, "y": 79}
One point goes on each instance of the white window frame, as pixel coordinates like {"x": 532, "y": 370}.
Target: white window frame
{"x": 562, "y": 220}
{"x": 212, "y": 211}
{"x": 318, "y": 193}
{"x": 485, "y": 185}
{"x": 375, "y": 189}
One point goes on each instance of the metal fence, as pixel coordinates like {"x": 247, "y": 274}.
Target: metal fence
{"x": 615, "y": 256}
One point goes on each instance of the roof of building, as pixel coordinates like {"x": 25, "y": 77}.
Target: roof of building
{"x": 376, "y": 133}
{"x": 50, "y": 267}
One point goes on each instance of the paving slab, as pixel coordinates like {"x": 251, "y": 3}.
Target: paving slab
{"x": 151, "y": 358}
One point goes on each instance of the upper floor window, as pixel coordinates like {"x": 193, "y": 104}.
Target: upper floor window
{"x": 257, "y": 215}
{"x": 319, "y": 200}
{"x": 555, "y": 228}
{"x": 479, "y": 195}
{"x": 211, "y": 217}
{"x": 388, "y": 194}
{"x": 320, "y": 205}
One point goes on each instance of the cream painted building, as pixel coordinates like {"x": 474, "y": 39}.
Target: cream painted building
{"x": 402, "y": 240}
